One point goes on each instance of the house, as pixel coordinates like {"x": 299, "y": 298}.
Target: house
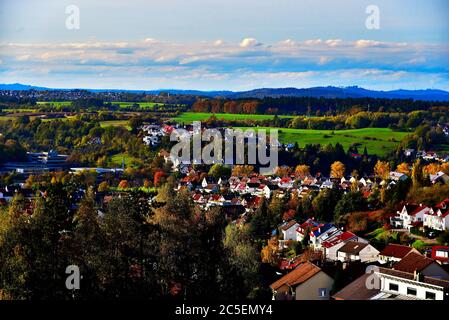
{"x": 397, "y": 176}
{"x": 288, "y": 230}
{"x": 439, "y": 177}
{"x": 438, "y": 217}
{"x": 394, "y": 253}
{"x": 389, "y": 284}
{"x": 417, "y": 263}
{"x": 357, "y": 290}
{"x": 306, "y": 282}
{"x": 321, "y": 233}
{"x": 357, "y": 251}
{"x": 302, "y": 230}
{"x": 440, "y": 254}
{"x": 331, "y": 245}
{"x": 410, "y": 216}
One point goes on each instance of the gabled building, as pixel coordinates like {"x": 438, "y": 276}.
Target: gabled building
{"x": 331, "y": 245}
{"x": 357, "y": 251}
{"x": 411, "y": 215}
{"x": 417, "y": 263}
{"x": 389, "y": 284}
{"x": 438, "y": 217}
{"x": 288, "y": 230}
{"x": 393, "y": 253}
{"x": 306, "y": 282}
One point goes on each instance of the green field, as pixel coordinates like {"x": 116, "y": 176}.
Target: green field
{"x": 129, "y": 161}
{"x": 378, "y": 141}
{"x": 115, "y": 123}
{"x": 188, "y": 117}
{"x": 56, "y": 103}
{"x": 142, "y": 105}
{"x": 18, "y": 110}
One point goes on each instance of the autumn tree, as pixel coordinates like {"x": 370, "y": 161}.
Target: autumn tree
{"x": 123, "y": 184}
{"x": 403, "y": 168}
{"x": 337, "y": 170}
{"x": 269, "y": 252}
{"x": 382, "y": 169}
{"x": 242, "y": 170}
{"x": 431, "y": 168}
{"x": 302, "y": 171}
{"x": 418, "y": 178}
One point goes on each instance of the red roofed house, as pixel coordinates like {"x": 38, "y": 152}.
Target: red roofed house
{"x": 419, "y": 264}
{"x": 441, "y": 254}
{"x": 410, "y": 215}
{"x": 330, "y": 246}
{"x": 395, "y": 253}
{"x": 306, "y": 282}
{"x": 438, "y": 218}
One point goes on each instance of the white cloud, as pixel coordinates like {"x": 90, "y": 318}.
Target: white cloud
{"x": 249, "y": 42}
{"x": 171, "y": 63}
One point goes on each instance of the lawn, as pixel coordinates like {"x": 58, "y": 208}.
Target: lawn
{"x": 115, "y": 123}
{"x": 56, "y": 103}
{"x": 143, "y": 105}
{"x": 378, "y": 141}
{"x": 188, "y": 117}
{"x": 129, "y": 161}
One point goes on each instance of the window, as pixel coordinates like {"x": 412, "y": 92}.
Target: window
{"x": 430, "y": 295}
{"x": 411, "y": 292}
{"x": 394, "y": 287}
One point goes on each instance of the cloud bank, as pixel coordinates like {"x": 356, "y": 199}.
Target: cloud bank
{"x": 154, "y": 64}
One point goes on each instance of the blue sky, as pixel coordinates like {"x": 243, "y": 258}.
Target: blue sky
{"x": 217, "y": 44}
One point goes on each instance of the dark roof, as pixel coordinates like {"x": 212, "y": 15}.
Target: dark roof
{"x": 396, "y": 250}
{"x": 413, "y": 262}
{"x": 356, "y": 290}
{"x": 300, "y": 275}
{"x": 288, "y": 225}
{"x": 411, "y": 276}
{"x": 353, "y": 247}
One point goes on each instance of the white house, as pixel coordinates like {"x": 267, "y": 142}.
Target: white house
{"x": 396, "y": 284}
{"x": 411, "y": 215}
{"x": 397, "y": 176}
{"x": 438, "y": 217}
{"x": 331, "y": 245}
{"x": 439, "y": 177}
{"x": 289, "y": 230}
{"x": 357, "y": 251}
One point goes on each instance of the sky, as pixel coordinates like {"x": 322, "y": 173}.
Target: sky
{"x": 225, "y": 44}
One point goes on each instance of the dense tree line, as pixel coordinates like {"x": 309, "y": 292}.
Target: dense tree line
{"x": 174, "y": 251}
{"x": 312, "y": 106}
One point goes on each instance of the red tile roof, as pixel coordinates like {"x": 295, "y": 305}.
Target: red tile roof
{"x": 300, "y": 275}
{"x": 288, "y": 225}
{"x": 396, "y": 251}
{"x": 338, "y": 239}
{"x": 413, "y": 262}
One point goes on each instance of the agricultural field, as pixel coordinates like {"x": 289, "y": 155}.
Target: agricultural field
{"x": 55, "y": 103}
{"x": 378, "y": 141}
{"x": 115, "y": 123}
{"x": 188, "y": 117}
{"x": 142, "y": 105}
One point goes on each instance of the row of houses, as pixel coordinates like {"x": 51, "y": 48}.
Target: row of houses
{"x": 404, "y": 274}
{"x": 419, "y": 215}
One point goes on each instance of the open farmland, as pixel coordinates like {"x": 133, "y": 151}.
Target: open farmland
{"x": 188, "y": 117}
{"x": 378, "y": 141}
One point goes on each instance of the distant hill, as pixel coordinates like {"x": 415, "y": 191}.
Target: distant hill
{"x": 344, "y": 92}
{"x": 325, "y": 92}
{"x": 18, "y": 86}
